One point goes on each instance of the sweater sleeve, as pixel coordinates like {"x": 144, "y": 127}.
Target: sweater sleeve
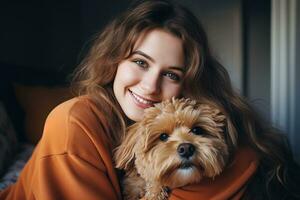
{"x": 68, "y": 176}
{"x": 73, "y": 158}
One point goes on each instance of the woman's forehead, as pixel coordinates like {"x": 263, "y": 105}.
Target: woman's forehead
{"x": 161, "y": 46}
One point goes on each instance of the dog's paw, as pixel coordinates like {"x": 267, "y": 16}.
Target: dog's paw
{"x": 164, "y": 193}
{"x": 161, "y": 193}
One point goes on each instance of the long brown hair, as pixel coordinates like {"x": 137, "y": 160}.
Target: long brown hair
{"x": 205, "y": 79}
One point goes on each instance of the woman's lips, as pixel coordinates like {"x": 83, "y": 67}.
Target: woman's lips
{"x": 141, "y": 102}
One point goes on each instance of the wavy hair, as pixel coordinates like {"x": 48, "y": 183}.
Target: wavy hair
{"x": 205, "y": 79}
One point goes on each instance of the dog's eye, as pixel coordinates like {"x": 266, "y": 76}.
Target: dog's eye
{"x": 163, "y": 137}
{"x": 197, "y": 130}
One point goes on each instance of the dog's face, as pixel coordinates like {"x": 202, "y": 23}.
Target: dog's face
{"x": 179, "y": 142}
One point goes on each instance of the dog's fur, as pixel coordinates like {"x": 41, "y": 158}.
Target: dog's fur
{"x": 152, "y": 161}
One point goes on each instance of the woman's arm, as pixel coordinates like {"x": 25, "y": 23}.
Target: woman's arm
{"x": 73, "y": 159}
{"x": 68, "y": 176}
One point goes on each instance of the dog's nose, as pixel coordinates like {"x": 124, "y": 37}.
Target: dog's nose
{"x": 186, "y": 150}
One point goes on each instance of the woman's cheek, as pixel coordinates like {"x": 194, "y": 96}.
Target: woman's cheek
{"x": 171, "y": 89}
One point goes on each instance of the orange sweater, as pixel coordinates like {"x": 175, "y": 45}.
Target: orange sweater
{"x": 73, "y": 160}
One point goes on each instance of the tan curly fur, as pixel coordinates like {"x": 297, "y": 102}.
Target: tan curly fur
{"x": 152, "y": 165}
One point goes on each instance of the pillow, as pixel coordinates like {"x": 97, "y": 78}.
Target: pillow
{"x": 8, "y": 140}
{"x": 13, "y": 172}
{"x": 37, "y": 102}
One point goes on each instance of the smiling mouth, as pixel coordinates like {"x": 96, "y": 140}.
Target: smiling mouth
{"x": 141, "y": 101}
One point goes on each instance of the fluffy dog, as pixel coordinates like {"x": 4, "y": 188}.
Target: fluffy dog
{"x": 178, "y": 142}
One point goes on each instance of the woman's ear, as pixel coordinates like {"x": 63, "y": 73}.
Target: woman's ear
{"x": 125, "y": 153}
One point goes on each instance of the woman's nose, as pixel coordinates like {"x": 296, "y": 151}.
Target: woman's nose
{"x": 150, "y": 83}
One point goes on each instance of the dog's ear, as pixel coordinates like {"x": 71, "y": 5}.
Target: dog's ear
{"x": 231, "y": 134}
{"x": 125, "y": 153}
{"x": 223, "y": 120}
{"x": 229, "y": 130}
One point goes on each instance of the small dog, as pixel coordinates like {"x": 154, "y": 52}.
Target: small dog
{"x": 178, "y": 142}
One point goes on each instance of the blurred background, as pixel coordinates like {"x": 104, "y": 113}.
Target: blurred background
{"x": 41, "y": 42}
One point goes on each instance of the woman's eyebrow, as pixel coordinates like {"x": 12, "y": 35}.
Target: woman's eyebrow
{"x": 143, "y": 54}
{"x": 181, "y": 69}
{"x": 152, "y": 60}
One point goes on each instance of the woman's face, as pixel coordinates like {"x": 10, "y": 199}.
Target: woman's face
{"x": 152, "y": 73}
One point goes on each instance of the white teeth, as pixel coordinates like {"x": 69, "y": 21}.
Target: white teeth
{"x": 139, "y": 99}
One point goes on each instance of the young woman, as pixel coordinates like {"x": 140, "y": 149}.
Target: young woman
{"x": 154, "y": 51}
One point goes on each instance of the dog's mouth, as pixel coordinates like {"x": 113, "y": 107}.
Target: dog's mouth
{"x": 190, "y": 165}
{"x": 186, "y": 165}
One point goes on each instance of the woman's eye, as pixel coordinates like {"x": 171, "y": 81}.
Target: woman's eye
{"x": 141, "y": 63}
{"x": 163, "y": 137}
{"x": 172, "y": 76}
